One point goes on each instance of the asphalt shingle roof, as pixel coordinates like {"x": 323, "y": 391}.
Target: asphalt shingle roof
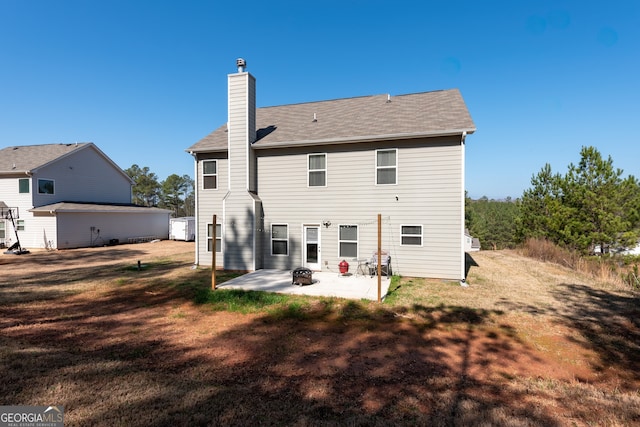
{"x": 96, "y": 207}
{"x": 359, "y": 119}
{"x": 25, "y": 158}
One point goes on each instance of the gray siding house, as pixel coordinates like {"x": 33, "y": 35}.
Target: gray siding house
{"x": 302, "y": 185}
{"x": 70, "y": 196}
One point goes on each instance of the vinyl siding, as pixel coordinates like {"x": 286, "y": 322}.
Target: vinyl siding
{"x": 267, "y": 186}
{"x": 238, "y": 232}
{"x": 241, "y": 124}
{"x": 429, "y": 185}
{"x": 240, "y": 221}
{"x": 252, "y": 184}
{"x": 83, "y": 176}
{"x": 11, "y": 197}
{"x": 210, "y": 202}
{"x": 73, "y": 182}
{"x": 74, "y": 229}
{"x": 39, "y": 232}
{"x": 36, "y": 232}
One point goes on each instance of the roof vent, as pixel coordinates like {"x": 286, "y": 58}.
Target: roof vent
{"x": 242, "y": 64}
{"x": 388, "y": 98}
{"x": 315, "y": 117}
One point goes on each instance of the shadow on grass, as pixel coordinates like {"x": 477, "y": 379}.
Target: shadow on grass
{"x": 64, "y": 282}
{"x": 468, "y": 263}
{"x": 604, "y": 322}
{"x": 62, "y": 257}
{"x": 123, "y": 359}
{"x": 608, "y": 324}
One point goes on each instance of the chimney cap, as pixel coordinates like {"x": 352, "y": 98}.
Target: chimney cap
{"x": 241, "y": 64}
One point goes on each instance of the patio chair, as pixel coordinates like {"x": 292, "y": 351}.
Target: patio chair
{"x": 385, "y": 264}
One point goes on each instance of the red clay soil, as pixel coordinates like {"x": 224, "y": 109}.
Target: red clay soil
{"x": 128, "y": 351}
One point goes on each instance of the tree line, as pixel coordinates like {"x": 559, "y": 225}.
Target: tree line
{"x": 175, "y": 193}
{"x": 590, "y": 207}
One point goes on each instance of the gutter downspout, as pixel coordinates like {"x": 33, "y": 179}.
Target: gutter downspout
{"x": 196, "y": 261}
{"x": 461, "y": 232}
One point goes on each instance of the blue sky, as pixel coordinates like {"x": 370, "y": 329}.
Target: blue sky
{"x": 144, "y": 80}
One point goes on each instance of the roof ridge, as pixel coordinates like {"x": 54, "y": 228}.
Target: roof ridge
{"x": 357, "y": 97}
{"x": 318, "y": 102}
{"x": 68, "y": 144}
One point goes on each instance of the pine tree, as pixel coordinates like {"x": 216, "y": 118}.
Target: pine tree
{"x": 146, "y": 189}
{"x": 543, "y": 214}
{"x": 174, "y": 191}
{"x": 597, "y": 192}
{"x": 590, "y": 206}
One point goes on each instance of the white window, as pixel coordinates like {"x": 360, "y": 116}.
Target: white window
{"x": 2, "y": 232}
{"x": 46, "y": 186}
{"x": 218, "y": 237}
{"x": 317, "y": 170}
{"x": 20, "y": 224}
{"x": 210, "y": 174}
{"x": 348, "y": 241}
{"x": 279, "y": 239}
{"x": 386, "y": 166}
{"x": 411, "y": 235}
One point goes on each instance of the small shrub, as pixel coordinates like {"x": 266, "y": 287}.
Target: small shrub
{"x": 547, "y": 251}
{"x": 602, "y": 268}
{"x": 631, "y": 278}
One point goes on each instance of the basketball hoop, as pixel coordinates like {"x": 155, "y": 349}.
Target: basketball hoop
{"x": 8, "y": 213}
{"x": 12, "y": 214}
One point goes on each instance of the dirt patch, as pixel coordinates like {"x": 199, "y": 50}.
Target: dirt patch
{"x": 42, "y": 260}
{"x": 525, "y": 344}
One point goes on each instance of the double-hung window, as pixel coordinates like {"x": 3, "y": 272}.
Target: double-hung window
{"x": 386, "y": 166}
{"x": 317, "y": 170}
{"x": 209, "y": 174}
{"x": 411, "y": 235}
{"x": 20, "y": 224}
{"x": 2, "y": 230}
{"x": 279, "y": 239}
{"x": 46, "y": 186}
{"x": 218, "y": 237}
{"x": 348, "y": 241}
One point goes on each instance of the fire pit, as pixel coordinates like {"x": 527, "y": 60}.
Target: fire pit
{"x": 302, "y": 276}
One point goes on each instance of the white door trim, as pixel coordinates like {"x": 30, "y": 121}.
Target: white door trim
{"x": 310, "y": 259}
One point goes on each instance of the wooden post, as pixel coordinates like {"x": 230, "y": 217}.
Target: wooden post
{"x": 213, "y": 254}
{"x": 380, "y": 258}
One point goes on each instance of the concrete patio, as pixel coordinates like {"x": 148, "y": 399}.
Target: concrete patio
{"x": 328, "y": 284}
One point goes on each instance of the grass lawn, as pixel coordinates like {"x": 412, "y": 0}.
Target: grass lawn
{"x": 525, "y": 344}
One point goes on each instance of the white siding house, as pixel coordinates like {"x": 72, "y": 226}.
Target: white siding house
{"x": 69, "y": 196}
{"x": 471, "y": 244}
{"x": 302, "y": 185}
